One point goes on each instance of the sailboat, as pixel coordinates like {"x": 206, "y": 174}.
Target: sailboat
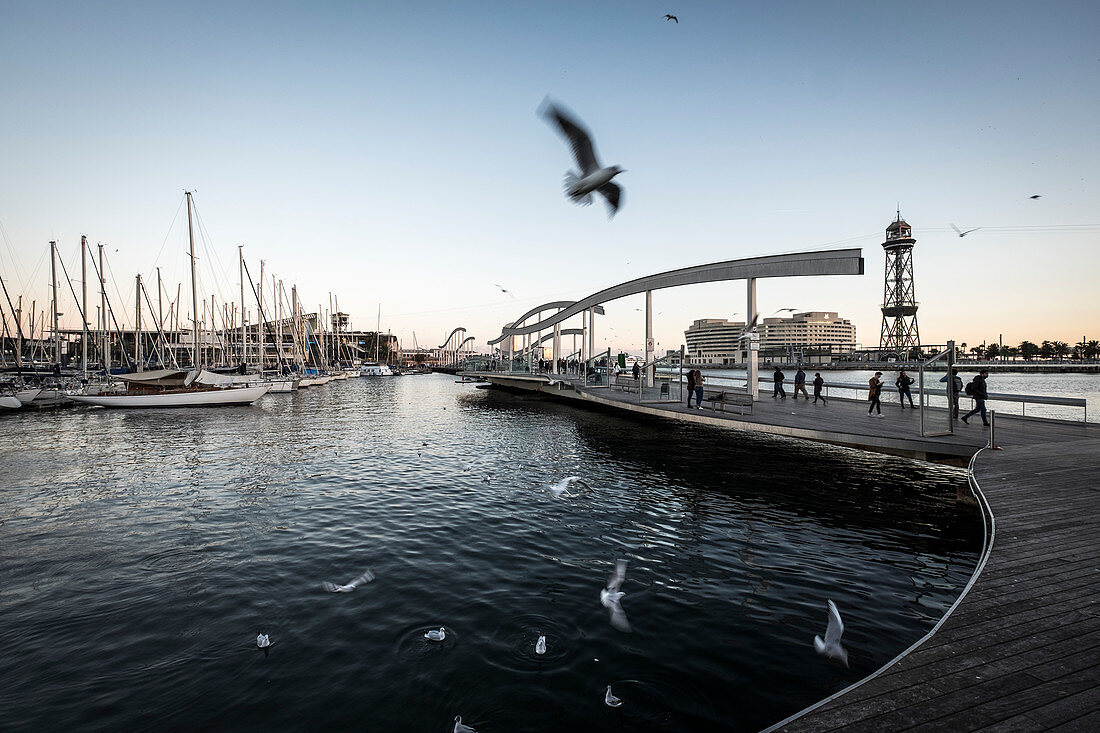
{"x": 376, "y": 368}
{"x": 177, "y": 387}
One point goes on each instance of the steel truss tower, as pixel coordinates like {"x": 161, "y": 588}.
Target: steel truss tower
{"x": 900, "y": 334}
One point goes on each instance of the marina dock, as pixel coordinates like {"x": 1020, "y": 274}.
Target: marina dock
{"x": 1020, "y": 648}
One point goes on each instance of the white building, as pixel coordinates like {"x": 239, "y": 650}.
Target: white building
{"x": 812, "y": 328}
{"x": 714, "y": 341}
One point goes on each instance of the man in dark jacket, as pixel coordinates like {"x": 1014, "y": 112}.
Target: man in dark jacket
{"x": 777, "y": 381}
{"x": 977, "y": 391}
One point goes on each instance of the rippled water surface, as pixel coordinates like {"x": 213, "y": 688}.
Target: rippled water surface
{"x": 142, "y": 552}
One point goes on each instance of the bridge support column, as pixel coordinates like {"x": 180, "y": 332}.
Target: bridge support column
{"x": 557, "y": 347}
{"x": 591, "y": 332}
{"x": 649, "y": 338}
{"x": 752, "y": 355}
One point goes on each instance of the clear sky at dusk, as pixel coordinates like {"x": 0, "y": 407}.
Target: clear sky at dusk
{"x": 390, "y": 153}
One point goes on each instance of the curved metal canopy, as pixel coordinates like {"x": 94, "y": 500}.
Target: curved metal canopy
{"x": 448, "y": 339}
{"x": 798, "y": 264}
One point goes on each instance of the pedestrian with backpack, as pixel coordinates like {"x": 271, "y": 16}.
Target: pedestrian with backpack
{"x": 957, "y": 383}
{"x": 874, "y": 390}
{"x": 976, "y": 389}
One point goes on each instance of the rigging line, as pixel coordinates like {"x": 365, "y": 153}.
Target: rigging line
{"x": 162, "y": 339}
{"x": 111, "y": 311}
{"x": 19, "y": 275}
{"x": 167, "y": 234}
{"x": 83, "y": 318}
{"x": 211, "y": 252}
{"x": 263, "y": 318}
{"x": 107, "y": 267}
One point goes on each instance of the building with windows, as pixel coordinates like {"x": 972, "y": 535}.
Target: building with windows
{"x": 817, "y": 336}
{"x": 714, "y": 341}
{"x": 812, "y": 328}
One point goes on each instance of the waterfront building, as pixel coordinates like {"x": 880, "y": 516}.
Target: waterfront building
{"x": 808, "y": 329}
{"x": 714, "y": 341}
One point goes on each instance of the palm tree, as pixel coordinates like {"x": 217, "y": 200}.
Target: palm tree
{"x": 1046, "y": 350}
{"x": 1028, "y": 350}
{"x": 1092, "y": 349}
{"x": 992, "y": 352}
{"x": 1061, "y": 348}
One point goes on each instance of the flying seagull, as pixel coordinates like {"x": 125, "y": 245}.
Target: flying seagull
{"x": 351, "y": 585}
{"x": 501, "y": 288}
{"x": 593, "y": 176}
{"x": 830, "y": 646}
{"x": 562, "y": 486}
{"x": 962, "y": 233}
{"x": 610, "y": 596}
{"x": 1034, "y": 196}
{"x": 669, "y": 17}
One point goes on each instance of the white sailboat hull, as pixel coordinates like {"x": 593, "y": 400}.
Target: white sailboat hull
{"x": 204, "y": 398}
{"x": 27, "y": 396}
{"x": 10, "y": 403}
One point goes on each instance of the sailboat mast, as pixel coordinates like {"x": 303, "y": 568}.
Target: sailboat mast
{"x": 261, "y": 346}
{"x": 84, "y": 301}
{"x": 138, "y": 350}
{"x": 377, "y": 333}
{"x": 103, "y": 310}
{"x": 194, "y": 289}
{"x": 244, "y": 335}
{"x": 53, "y": 279}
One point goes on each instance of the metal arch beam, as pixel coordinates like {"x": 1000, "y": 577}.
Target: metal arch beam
{"x": 468, "y": 340}
{"x": 550, "y": 336}
{"x": 448, "y": 339}
{"x": 798, "y": 264}
{"x": 544, "y": 307}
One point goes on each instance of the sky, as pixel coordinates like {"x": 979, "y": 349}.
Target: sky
{"x": 390, "y": 154}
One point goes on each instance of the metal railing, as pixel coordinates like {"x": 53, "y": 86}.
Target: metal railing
{"x": 948, "y": 355}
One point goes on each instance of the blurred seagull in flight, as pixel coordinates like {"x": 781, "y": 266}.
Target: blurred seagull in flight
{"x": 669, "y": 16}
{"x": 460, "y": 728}
{"x": 501, "y": 288}
{"x": 351, "y": 585}
{"x": 610, "y": 700}
{"x": 562, "y": 486}
{"x": 593, "y": 177}
{"x": 611, "y": 595}
{"x": 1034, "y": 196}
{"x": 830, "y": 645}
{"x": 962, "y": 233}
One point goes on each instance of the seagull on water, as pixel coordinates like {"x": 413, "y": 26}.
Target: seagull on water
{"x": 460, "y": 728}
{"x": 830, "y": 645}
{"x": 540, "y": 645}
{"x": 669, "y": 16}
{"x": 262, "y": 641}
{"x": 562, "y": 486}
{"x": 351, "y": 584}
{"x": 434, "y": 635}
{"x": 593, "y": 177}
{"x": 610, "y": 700}
{"x": 611, "y": 595}
{"x": 962, "y": 233}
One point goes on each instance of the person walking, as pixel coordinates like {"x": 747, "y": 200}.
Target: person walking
{"x": 818, "y": 384}
{"x": 957, "y": 382}
{"x": 902, "y": 383}
{"x": 800, "y": 383}
{"x": 691, "y": 386}
{"x": 698, "y": 389}
{"x": 777, "y": 379}
{"x": 875, "y": 389}
{"x": 637, "y": 370}
{"x": 976, "y": 389}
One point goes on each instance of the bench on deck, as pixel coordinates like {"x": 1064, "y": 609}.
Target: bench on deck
{"x": 719, "y": 398}
{"x": 627, "y": 382}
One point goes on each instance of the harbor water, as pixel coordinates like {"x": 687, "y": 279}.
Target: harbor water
{"x": 141, "y": 553}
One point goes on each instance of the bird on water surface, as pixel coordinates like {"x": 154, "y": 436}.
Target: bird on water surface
{"x": 460, "y": 728}
{"x": 610, "y": 700}
{"x": 593, "y": 177}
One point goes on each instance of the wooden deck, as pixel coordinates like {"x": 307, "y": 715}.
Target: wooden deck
{"x": 1020, "y": 649}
